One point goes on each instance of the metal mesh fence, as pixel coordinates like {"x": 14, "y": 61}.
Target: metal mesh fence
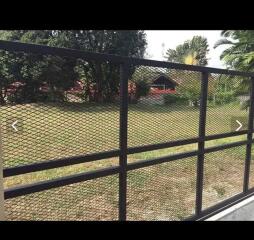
{"x": 91, "y": 200}
{"x": 223, "y": 175}
{"x": 55, "y": 173}
{"x": 226, "y": 106}
{"x": 148, "y": 155}
{"x": 49, "y": 116}
{"x": 162, "y": 192}
{"x": 251, "y": 177}
{"x": 164, "y": 114}
{"x": 58, "y": 123}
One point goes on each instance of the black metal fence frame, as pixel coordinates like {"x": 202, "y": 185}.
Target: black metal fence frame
{"x": 123, "y": 150}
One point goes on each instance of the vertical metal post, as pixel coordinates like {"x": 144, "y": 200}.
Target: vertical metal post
{"x": 249, "y": 139}
{"x": 201, "y": 143}
{"x": 2, "y": 215}
{"x": 124, "y": 72}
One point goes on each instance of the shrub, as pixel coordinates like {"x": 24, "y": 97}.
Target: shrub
{"x": 142, "y": 88}
{"x": 224, "y": 97}
{"x": 173, "y": 98}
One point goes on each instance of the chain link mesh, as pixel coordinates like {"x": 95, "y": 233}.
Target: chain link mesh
{"x": 251, "y": 176}
{"x": 162, "y": 192}
{"x": 228, "y": 98}
{"x": 223, "y": 175}
{"x": 164, "y": 114}
{"x": 91, "y": 200}
{"x": 164, "y": 106}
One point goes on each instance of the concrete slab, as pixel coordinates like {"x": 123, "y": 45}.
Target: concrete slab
{"x": 243, "y": 211}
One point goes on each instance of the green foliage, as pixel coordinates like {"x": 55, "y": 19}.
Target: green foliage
{"x": 240, "y": 52}
{"x": 173, "y": 98}
{"x": 8, "y": 73}
{"x": 190, "y": 89}
{"x": 224, "y": 97}
{"x": 142, "y": 88}
{"x": 142, "y": 77}
{"x": 195, "y": 50}
{"x": 60, "y": 73}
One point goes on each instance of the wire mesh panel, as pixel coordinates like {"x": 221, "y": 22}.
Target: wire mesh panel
{"x": 54, "y": 107}
{"x": 167, "y": 110}
{"x": 223, "y": 175}
{"x": 52, "y": 174}
{"x": 162, "y": 192}
{"x": 56, "y": 113}
{"x": 91, "y": 200}
{"x": 165, "y": 152}
{"x": 227, "y": 106}
{"x": 251, "y": 176}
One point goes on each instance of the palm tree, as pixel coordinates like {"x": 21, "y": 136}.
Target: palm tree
{"x": 192, "y": 52}
{"x": 240, "y": 53}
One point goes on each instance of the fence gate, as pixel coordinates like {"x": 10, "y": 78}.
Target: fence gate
{"x": 133, "y": 139}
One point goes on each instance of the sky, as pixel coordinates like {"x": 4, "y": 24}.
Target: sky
{"x": 172, "y": 38}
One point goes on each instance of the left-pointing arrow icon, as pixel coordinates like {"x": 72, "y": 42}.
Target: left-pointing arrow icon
{"x": 240, "y": 125}
{"x": 14, "y": 126}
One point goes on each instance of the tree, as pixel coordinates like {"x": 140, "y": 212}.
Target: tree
{"x": 190, "y": 86}
{"x": 142, "y": 78}
{"x": 60, "y": 73}
{"x": 37, "y": 70}
{"x": 192, "y": 52}
{"x": 240, "y": 52}
{"x": 239, "y": 55}
{"x": 8, "y": 73}
{"x": 105, "y": 76}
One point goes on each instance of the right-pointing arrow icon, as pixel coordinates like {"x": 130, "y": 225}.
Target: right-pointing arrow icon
{"x": 240, "y": 126}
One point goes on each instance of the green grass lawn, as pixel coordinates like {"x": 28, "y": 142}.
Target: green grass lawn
{"x": 165, "y": 191}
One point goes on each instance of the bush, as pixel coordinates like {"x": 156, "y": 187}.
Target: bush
{"x": 142, "y": 88}
{"x": 173, "y": 98}
{"x": 224, "y": 97}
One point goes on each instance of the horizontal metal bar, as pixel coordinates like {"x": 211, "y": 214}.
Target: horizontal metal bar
{"x": 215, "y": 209}
{"x": 225, "y": 146}
{"x": 44, "y": 185}
{"x": 62, "y": 162}
{"x": 59, "y": 182}
{"x": 43, "y": 49}
{"x": 59, "y": 51}
{"x": 150, "y": 162}
{"x": 34, "y": 167}
{"x": 225, "y": 135}
{"x": 158, "y": 146}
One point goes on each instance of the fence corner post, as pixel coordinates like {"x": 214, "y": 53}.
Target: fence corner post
{"x": 2, "y": 214}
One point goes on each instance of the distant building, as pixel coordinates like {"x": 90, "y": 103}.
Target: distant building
{"x": 162, "y": 84}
